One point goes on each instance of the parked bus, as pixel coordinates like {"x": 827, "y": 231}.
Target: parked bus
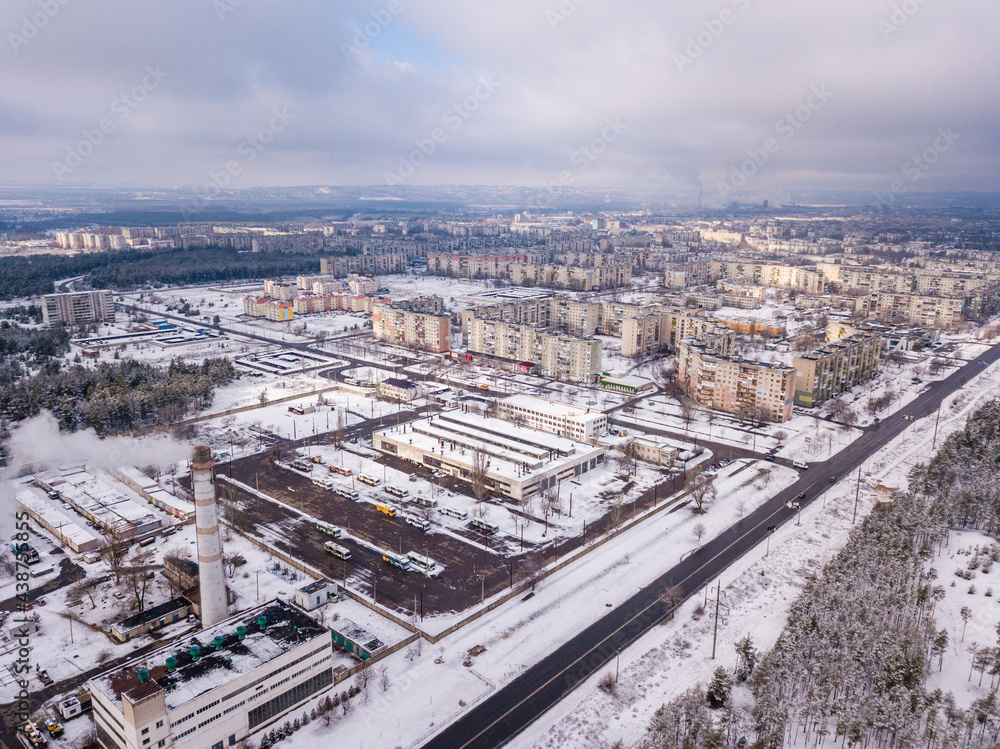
{"x": 460, "y": 514}
{"x": 402, "y": 562}
{"x": 386, "y": 510}
{"x": 424, "y": 502}
{"x": 424, "y": 525}
{"x": 418, "y": 560}
{"x": 323, "y": 483}
{"x": 337, "y": 550}
{"x": 347, "y": 494}
{"x": 148, "y": 541}
{"x": 341, "y": 470}
{"x": 302, "y": 465}
{"x": 330, "y": 530}
{"x": 483, "y": 525}
{"x": 350, "y": 381}
{"x": 397, "y": 492}
{"x": 370, "y": 480}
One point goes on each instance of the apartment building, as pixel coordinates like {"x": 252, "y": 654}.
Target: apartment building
{"x": 419, "y": 329}
{"x": 577, "y": 423}
{"x": 571, "y": 277}
{"x": 766, "y": 274}
{"x": 225, "y": 683}
{"x": 558, "y": 356}
{"x": 279, "y": 311}
{"x": 929, "y": 311}
{"x": 841, "y": 364}
{"x": 732, "y": 384}
{"x": 578, "y": 318}
{"x": 77, "y": 307}
{"x": 286, "y": 291}
{"x": 359, "y": 284}
{"x": 372, "y": 265}
{"x": 471, "y": 266}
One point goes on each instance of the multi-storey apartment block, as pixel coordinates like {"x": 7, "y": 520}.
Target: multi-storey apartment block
{"x": 578, "y": 318}
{"x": 571, "y": 277}
{"x": 562, "y": 357}
{"x": 77, "y": 307}
{"x": 379, "y": 265}
{"x": 732, "y": 384}
{"x": 765, "y": 274}
{"x": 422, "y": 330}
{"x": 842, "y": 363}
{"x": 471, "y": 266}
{"x": 930, "y": 311}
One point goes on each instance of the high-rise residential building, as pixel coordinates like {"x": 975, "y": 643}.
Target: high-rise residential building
{"x": 558, "y": 356}
{"x": 734, "y": 385}
{"x": 78, "y": 307}
{"x": 841, "y": 364}
{"x": 929, "y": 311}
{"x": 422, "y": 330}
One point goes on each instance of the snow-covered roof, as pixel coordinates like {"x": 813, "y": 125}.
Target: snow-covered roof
{"x": 553, "y": 408}
{"x": 286, "y": 628}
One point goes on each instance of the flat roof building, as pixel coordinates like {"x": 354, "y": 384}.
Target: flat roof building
{"x": 575, "y": 422}
{"x": 216, "y": 687}
{"x": 521, "y": 462}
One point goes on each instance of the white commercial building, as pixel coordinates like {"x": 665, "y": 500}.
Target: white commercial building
{"x": 520, "y": 462}
{"x": 215, "y": 688}
{"x": 575, "y": 422}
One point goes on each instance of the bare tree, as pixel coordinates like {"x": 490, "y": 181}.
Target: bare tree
{"x": 617, "y": 513}
{"x": 83, "y": 588}
{"x": 687, "y": 414}
{"x": 363, "y": 677}
{"x": 233, "y": 511}
{"x": 138, "y": 577}
{"x": 703, "y": 493}
{"x": 478, "y": 478}
{"x": 383, "y": 678}
{"x": 699, "y": 531}
{"x": 114, "y": 549}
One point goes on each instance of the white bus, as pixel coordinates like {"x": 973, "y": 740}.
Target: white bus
{"x": 485, "y": 526}
{"x": 424, "y": 525}
{"x": 323, "y": 483}
{"x": 396, "y": 491}
{"x": 460, "y": 514}
{"x": 330, "y": 530}
{"x": 347, "y": 493}
{"x": 424, "y": 502}
{"x": 364, "y": 478}
{"x": 419, "y": 560}
{"x": 337, "y": 550}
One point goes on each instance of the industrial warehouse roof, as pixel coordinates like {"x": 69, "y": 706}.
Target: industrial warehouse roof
{"x": 553, "y": 408}
{"x": 286, "y": 629}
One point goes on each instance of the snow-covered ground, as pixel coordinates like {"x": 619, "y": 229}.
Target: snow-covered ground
{"x": 758, "y": 591}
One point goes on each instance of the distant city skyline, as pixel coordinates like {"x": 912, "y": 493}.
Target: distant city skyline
{"x": 733, "y": 99}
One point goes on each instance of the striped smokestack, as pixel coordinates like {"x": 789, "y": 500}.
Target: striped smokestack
{"x": 211, "y": 576}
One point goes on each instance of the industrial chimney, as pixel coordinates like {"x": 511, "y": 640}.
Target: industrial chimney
{"x": 211, "y": 576}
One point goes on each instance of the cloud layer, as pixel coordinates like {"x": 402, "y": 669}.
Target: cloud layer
{"x": 489, "y": 92}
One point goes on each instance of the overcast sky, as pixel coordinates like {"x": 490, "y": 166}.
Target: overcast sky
{"x": 588, "y": 93}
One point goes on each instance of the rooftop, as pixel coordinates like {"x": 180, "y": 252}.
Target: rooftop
{"x": 552, "y": 408}
{"x": 286, "y": 629}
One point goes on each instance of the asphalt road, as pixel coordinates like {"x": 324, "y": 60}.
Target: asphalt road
{"x": 515, "y": 706}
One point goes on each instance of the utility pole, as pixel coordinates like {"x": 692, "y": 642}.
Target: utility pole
{"x": 936, "y": 421}
{"x": 715, "y": 631}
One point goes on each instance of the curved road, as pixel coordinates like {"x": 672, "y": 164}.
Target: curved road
{"x": 512, "y": 708}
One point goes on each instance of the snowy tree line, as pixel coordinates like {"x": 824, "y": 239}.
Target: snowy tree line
{"x": 852, "y": 662}
{"x": 118, "y": 395}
